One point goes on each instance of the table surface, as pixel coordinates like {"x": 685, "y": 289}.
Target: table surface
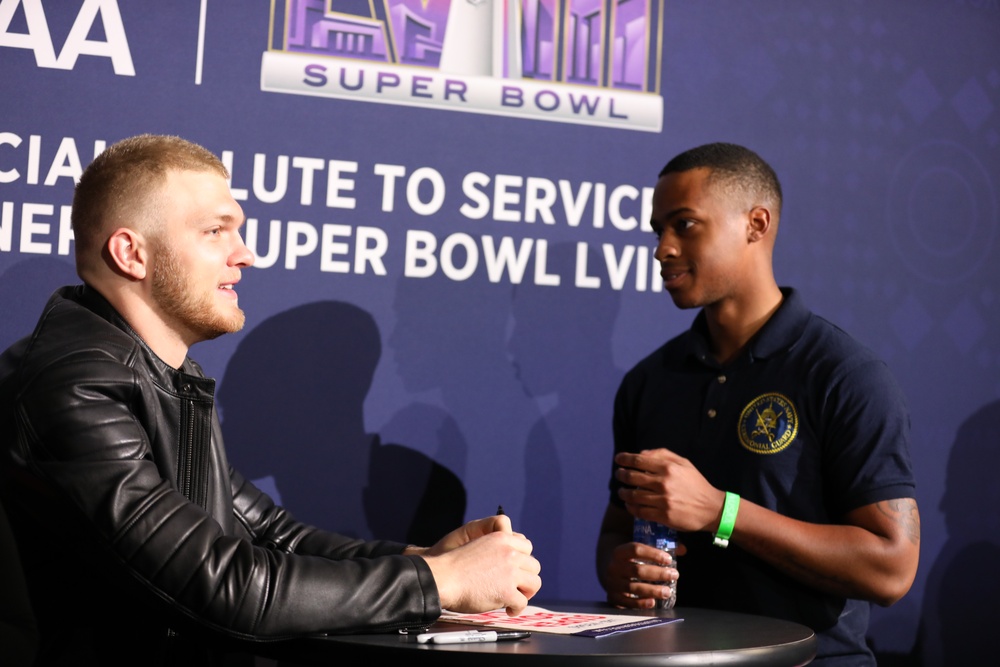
{"x": 703, "y": 637}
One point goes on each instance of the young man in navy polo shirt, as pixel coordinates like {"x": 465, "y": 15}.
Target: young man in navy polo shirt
{"x": 774, "y": 442}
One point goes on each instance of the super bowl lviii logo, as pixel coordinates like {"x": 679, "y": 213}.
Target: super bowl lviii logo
{"x": 593, "y": 62}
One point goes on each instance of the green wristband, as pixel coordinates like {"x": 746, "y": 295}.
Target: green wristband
{"x": 728, "y": 520}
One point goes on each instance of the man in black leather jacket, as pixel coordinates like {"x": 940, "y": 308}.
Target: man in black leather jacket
{"x": 141, "y": 544}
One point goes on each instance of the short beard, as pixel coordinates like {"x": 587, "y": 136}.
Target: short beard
{"x": 181, "y": 305}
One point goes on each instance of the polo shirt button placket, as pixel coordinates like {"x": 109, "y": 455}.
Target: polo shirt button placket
{"x": 712, "y": 412}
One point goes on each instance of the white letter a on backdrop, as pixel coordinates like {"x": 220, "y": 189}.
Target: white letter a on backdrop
{"x": 39, "y": 40}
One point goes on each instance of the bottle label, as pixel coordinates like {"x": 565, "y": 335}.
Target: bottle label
{"x": 664, "y": 538}
{"x": 655, "y": 534}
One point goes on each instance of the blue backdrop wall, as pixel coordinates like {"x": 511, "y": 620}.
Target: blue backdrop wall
{"x": 454, "y": 270}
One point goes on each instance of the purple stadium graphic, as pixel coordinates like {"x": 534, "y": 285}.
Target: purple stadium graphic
{"x": 592, "y": 42}
{"x": 568, "y": 46}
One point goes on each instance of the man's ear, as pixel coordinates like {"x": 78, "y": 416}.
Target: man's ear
{"x": 127, "y": 253}
{"x": 759, "y": 223}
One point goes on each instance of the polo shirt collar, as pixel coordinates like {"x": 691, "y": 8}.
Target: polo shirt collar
{"x": 779, "y": 333}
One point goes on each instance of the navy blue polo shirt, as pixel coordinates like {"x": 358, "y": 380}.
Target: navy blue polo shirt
{"x": 806, "y": 422}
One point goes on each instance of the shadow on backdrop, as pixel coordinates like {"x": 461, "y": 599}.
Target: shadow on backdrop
{"x": 956, "y": 624}
{"x": 410, "y": 498}
{"x": 561, "y": 345}
{"x": 427, "y": 428}
{"x": 292, "y": 402}
{"x": 449, "y": 341}
{"x": 25, "y": 288}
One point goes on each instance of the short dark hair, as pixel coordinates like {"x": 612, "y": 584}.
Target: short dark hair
{"x": 736, "y": 167}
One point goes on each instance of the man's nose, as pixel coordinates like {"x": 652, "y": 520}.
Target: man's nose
{"x": 242, "y": 256}
{"x": 666, "y": 248}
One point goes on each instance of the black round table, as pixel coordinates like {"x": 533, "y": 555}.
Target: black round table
{"x": 703, "y": 637}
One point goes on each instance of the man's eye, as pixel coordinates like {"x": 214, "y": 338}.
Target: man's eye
{"x": 683, "y": 224}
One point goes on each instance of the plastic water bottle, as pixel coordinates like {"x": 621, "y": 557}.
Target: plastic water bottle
{"x": 662, "y": 537}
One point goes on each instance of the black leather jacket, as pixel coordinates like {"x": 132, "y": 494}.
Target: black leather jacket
{"x": 133, "y": 527}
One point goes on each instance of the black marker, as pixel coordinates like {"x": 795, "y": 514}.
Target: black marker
{"x": 499, "y": 510}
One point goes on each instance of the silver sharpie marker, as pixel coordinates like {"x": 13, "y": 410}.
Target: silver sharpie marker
{"x": 471, "y": 637}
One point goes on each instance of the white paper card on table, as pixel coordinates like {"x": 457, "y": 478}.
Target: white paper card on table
{"x": 539, "y": 619}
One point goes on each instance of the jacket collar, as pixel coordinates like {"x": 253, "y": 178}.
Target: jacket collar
{"x": 179, "y": 379}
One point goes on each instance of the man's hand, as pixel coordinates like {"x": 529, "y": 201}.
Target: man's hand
{"x": 469, "y": 532}
{"x": 482, "y": 566}
{"x": 667, "y": 488}
{"x": 631, "y": 566}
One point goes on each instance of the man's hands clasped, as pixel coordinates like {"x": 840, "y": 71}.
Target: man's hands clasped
{"x": 664, "y": 487}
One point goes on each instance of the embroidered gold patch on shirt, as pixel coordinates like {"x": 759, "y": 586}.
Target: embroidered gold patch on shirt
{"x": 768, "y": 424}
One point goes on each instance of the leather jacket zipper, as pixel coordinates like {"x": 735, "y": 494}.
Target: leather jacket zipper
{"x": 192, "y": 464}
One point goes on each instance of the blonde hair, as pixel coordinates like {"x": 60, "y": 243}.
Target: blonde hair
{"x": 121, "y": 187}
